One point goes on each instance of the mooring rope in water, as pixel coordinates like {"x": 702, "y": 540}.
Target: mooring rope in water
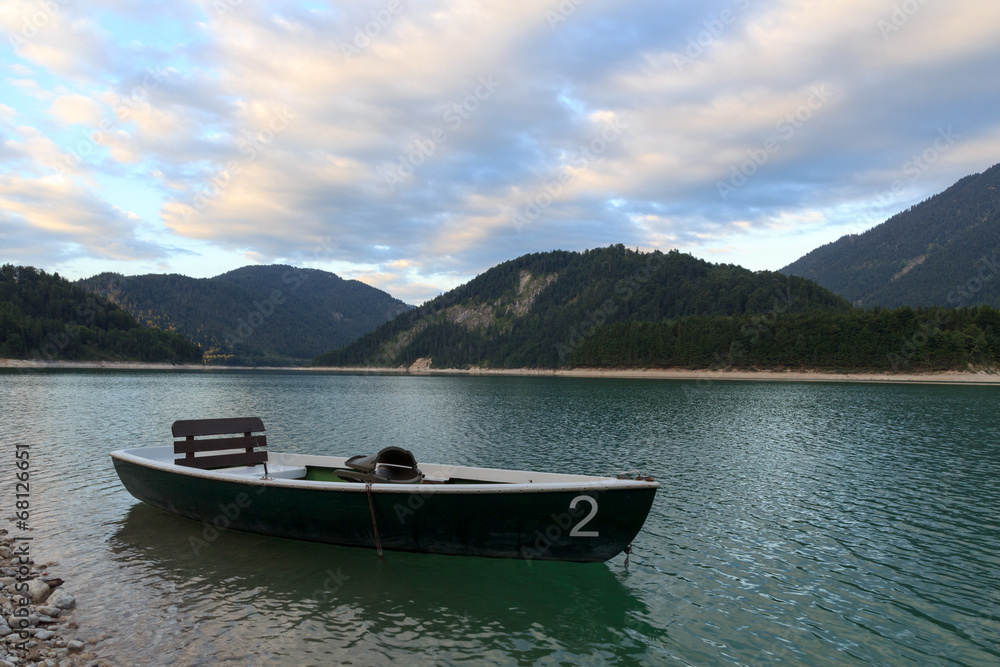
{"x": 628, "y": 552}
{"x": 371, "y": 508}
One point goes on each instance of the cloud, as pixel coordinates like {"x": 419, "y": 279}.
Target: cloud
{"x": 417, "y": 144}
{"x": 31, "y": 88}
{"x": 68, "y": 220}
{"x": 75, "y": 109}
{"x": 48, "y": 218}
{"x": 56, "y": 36}
{"x": 28, "y": 150}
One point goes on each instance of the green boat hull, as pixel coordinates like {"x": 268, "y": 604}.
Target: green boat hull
{"x": 580, "y": 525}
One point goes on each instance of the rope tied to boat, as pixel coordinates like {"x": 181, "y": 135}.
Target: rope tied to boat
{"x": 371, "y": 508}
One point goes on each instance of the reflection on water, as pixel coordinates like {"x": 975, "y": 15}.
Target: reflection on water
{"x": 803, "y": 523}
{"x": 342, "y": 603}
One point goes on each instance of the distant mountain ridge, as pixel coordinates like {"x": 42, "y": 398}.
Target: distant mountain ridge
{"x": 944, "y": 251}
{"x": 45, "y": 317}
{"x": 256, "y": 315}
{"x": 534, "y": 311}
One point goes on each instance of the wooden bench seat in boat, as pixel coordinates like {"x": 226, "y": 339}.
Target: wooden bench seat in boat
{"x": 194, "y": 431}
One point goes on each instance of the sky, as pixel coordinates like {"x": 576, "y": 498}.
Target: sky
{"x": 414, "y": 144}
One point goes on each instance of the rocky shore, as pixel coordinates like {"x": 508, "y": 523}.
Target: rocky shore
{"x": 36, "y": 626}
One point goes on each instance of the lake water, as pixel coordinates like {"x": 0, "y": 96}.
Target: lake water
{"x": 800, "y": 523}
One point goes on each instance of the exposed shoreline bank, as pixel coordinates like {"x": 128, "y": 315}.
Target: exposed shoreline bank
{"x": 36, "y": 625}
{"x": 941, "y": 377}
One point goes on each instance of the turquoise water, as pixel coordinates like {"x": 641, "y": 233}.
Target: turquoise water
{"x": 797, "y": 523}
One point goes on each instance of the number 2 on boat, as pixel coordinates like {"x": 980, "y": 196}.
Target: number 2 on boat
{"x": 576, "y": 532}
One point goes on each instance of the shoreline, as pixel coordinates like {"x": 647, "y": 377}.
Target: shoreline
{"x": 421, "y": 367}
{"x": 37, "y": 625}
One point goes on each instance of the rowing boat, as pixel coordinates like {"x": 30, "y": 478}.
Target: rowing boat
{"x": 384, "y": 500}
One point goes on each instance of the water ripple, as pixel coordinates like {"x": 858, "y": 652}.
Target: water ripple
{"x": 805, "y": 523}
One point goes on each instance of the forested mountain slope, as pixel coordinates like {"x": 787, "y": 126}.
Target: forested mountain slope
{"x": 534, "y": 311}
{"x": 44, "y": 316}
{"x": 255, "y": 315}
{"x": 943, "y": 251}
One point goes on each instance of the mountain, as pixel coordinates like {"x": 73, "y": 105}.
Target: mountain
{"x": 44, "y": 316}
{"x": 943, "y": 251}
{"x": 257, "y": 315}
{"x": 536, "y": 310}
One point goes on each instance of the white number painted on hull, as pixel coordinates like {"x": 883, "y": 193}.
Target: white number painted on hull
{"x": 576, "y": 532}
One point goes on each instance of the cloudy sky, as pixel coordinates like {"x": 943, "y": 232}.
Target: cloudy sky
{"x": 413, "y": 144}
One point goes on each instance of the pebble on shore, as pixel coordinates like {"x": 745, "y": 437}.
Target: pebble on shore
{"x": 37, "y": 633}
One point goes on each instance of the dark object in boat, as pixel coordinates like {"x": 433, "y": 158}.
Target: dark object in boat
{"x": 392, "y": 465}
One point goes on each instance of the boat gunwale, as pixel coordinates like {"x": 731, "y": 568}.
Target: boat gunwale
{"x": 583, "y": 483}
